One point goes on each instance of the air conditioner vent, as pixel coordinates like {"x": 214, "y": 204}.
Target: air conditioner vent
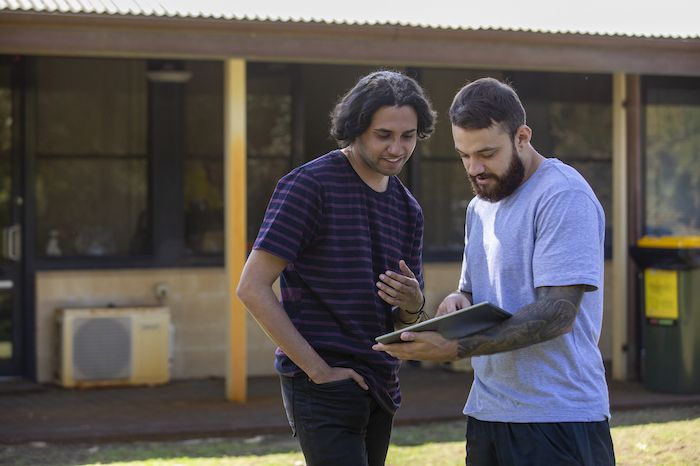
{"x": 114, "y": 346}
{"x": 102, "y": 348}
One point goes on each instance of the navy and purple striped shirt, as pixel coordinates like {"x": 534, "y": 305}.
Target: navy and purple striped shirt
{"x": 338, "y": 236}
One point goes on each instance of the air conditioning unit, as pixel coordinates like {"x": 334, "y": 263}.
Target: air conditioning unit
{"x": 113, "y": 346}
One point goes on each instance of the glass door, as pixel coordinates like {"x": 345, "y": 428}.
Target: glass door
{"x": 10, "y": 225}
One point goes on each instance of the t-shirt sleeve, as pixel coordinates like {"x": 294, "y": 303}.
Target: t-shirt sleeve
{"x": 568, "y": 244}
{"x": 292, "y": 216}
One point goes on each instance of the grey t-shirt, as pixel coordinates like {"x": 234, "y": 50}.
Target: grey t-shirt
{"x": 549, "y": 232}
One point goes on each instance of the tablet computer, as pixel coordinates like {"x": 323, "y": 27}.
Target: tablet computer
{"x": 458, "y": 324}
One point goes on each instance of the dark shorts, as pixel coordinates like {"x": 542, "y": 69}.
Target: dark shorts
{"x": 545, "y": 443}
{"x": 337, "y": 423}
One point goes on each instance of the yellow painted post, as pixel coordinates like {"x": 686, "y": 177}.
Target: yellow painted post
{"x": 620, "y": 281}
{"x": 235, "y": 215}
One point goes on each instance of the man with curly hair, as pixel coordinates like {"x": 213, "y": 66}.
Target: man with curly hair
{"x": 345, "y": 237}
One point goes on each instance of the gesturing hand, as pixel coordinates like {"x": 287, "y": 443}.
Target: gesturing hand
{"x": 401, "y": 289}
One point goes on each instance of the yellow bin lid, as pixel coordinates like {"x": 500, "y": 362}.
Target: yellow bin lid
{"x": 669, "y": 242}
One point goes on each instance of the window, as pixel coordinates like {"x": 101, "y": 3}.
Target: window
{"x": 269, "y": 144}
{"x": 442, "y": 187}
{"x": 91, "y": 157}
{"x": 671, "y": 156}
{"x": 127, "y": 167}
{"x": 204, "y": 159}
{"x": 129, "y": 162}
{"x": 321, "y": 87}
{"x": 571, "y": 119}
{"x": 288, "y": 116}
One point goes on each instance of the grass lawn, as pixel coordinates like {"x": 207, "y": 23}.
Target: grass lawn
{"x": 645, "y": 437}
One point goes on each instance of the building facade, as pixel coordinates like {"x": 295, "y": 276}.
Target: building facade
{"x": 138, "y": 152}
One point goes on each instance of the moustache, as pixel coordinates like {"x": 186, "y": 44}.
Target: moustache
{"x": 483, "y": 177}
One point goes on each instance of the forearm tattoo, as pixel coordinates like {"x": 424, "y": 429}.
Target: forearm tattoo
{"x": 551, "y": 315}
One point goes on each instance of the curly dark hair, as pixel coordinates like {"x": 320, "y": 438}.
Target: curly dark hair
{"x": 486, "y": 101}
{"x": 353, "y": 112}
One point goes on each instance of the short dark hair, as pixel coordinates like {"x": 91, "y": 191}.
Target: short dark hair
{"x": 353, "y": 112}
{"x": 486, "y": 101}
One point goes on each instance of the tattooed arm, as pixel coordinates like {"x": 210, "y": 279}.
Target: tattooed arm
{"x": 551, "y": 315}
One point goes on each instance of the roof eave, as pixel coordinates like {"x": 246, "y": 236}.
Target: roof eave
{"x": 139, "y": 35}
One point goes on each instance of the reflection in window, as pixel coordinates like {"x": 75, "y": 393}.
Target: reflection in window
{"x": 443, "y": 189}
{"x": 204, "y": 159}
{"x": 322, "y": 86}
{"x": 672, "y": 158}
{"x": 6, "y": 126}
{"x": 277, "y": 93}
{"x": 571, "y": 119}
{"x": 6, "y": 142}
{"x": 269, "y": 144}
{"x": 91, "y": 157}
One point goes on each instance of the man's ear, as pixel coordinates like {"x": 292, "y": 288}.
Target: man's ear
{"x": 522, "y": 136}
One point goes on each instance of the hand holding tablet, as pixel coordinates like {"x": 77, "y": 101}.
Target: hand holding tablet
{"x": 458, "y": 324}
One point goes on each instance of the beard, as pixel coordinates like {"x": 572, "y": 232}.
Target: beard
{"x": 505, "y": 184}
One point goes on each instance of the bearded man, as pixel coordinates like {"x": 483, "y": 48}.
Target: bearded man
{"x": 534, "y": 237}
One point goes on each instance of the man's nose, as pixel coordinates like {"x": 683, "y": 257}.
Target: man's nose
{"x": 474, "y": 167}
{"x": 395, "y": 147}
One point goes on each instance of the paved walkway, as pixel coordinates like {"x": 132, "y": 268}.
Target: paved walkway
{"x": 197, "y": 408}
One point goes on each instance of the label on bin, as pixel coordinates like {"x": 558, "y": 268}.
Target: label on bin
{"x": 661, "y": 294}
{"x": 664, "y": 322}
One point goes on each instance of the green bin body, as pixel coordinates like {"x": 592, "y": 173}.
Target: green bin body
{"x": 670, "y": 297}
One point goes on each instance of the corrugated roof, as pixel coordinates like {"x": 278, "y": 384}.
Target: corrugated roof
{"x": 670, "y": 18}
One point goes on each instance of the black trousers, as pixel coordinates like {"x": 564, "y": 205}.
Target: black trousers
{"x": 336, "y": 423}
{"x": 546, "y": 443}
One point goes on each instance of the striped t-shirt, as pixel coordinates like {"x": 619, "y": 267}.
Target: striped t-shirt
{"x": 338, "y": 236}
